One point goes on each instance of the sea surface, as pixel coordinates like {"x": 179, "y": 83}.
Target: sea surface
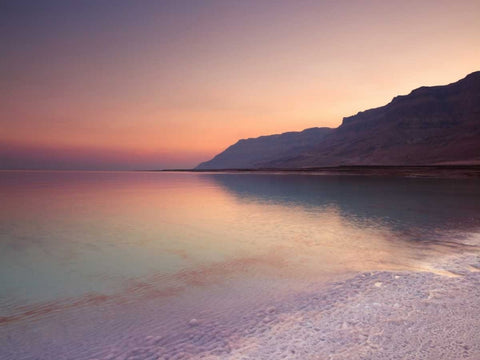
{"x": 158, "y": 265}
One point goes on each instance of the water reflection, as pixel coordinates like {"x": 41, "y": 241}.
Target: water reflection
{"x": 415, "y": 207}
{"x": 68, "y": 235}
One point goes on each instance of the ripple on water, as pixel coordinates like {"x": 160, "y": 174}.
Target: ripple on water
{"x": 411, "y": 314}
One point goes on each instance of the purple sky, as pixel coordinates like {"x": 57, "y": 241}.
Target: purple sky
{"x": 152, "y": 84}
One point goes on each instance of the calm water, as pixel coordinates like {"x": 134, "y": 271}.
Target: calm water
{"x": 88, "y": 258}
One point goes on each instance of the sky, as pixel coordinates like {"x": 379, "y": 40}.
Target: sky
{"x": 124, "y": 84}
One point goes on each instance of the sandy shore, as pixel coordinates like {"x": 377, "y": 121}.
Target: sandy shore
{"x": 372, "y": 315}
{"x": 382, "y": 315}
{"x": 379, "y": 315}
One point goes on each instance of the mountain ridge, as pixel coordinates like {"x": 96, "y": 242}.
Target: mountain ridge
{"x": 252, "y": 152}
{"x": 430, "y": 125}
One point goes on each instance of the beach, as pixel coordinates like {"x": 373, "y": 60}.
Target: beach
{"x": 372, "y": 315}
{"x": 382, "y": 315}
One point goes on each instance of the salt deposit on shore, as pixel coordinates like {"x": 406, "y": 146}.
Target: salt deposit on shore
{"x": 372, "y": 315}
{"x": 382, "y": 315}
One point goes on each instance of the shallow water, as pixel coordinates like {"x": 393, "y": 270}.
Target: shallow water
{"x": 95, "y": 261}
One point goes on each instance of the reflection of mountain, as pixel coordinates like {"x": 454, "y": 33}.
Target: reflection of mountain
{"x": 411, "y": 206}
{"x": 431, "y": 125}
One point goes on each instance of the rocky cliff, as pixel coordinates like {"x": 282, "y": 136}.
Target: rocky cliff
{"x": 431, "y": 125}
{"x": 252, "y": 153}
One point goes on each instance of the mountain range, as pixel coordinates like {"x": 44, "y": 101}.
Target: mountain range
{"x": 430, "y": 126}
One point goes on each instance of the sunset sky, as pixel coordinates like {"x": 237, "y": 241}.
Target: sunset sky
{"x": 117, "y": 84}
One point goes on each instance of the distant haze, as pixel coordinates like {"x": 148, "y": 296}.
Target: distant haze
{"x": 120, "y": 84}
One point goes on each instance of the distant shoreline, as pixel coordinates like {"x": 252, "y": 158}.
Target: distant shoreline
{"x": 417, "y": 171}
{"x": 428, "y": 171}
